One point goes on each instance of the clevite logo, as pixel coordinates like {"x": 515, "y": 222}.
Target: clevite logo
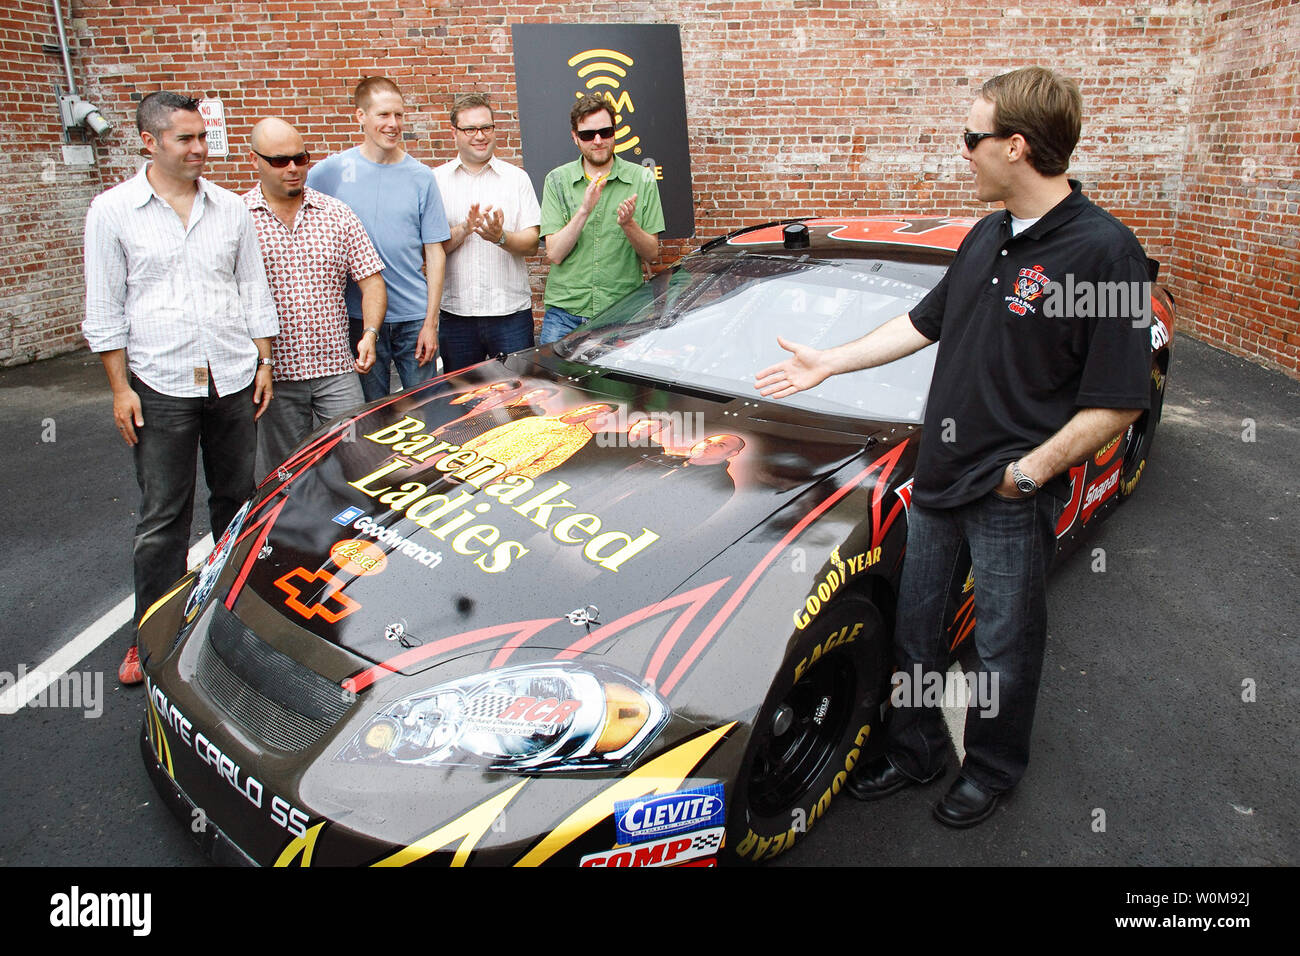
{"x": 649, "y": 818}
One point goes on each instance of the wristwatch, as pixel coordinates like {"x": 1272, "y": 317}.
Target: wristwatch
{"x": 266, "y": 361}
{"x": 501, "y": 241}
{"x": 1026, "y": 484}
{"x": 374, "y": 332}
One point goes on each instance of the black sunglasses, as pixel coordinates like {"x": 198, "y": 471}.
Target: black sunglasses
{"x": 587, "y": 135}
{"x": 974, "y": 139}
{"x": 279, "y": 162}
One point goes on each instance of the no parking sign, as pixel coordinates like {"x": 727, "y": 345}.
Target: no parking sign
{"x": 214, "y": 118}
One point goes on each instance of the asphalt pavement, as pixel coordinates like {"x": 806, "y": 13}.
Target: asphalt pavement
{"x": 1167, "y": 722}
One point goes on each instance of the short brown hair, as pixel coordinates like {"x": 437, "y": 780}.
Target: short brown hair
{"x": 1043, "y": 107}
{"x": 585, "y": 105}
{"x": 367, "y": 88}
{"x": 469, "y": 101}
{"x": 154, "y": 114}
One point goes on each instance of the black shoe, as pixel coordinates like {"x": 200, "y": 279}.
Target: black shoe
{"x": 965, "y": 804}
{"x": 880, "y": 778}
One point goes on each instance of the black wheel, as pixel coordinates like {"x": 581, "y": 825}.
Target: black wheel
{"x": 810, "y": 732}
{"x": 1144, "y": 431}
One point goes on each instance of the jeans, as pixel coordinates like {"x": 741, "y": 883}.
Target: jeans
{"x": 297, "y": 410}
{"x": 174, "y": 430}
{"x": 467, "y": 340}
{"x": 1011, "y": 545}
{"x": 395, "y": 344}
{"x": 557, "y": 323}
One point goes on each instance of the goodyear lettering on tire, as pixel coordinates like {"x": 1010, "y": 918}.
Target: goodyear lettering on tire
{"x": 757, "y": 847}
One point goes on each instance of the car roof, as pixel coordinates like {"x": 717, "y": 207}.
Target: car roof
{"x": 852, "y": 233}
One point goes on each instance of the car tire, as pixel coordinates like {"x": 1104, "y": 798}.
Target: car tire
{"x": 1144, "y": 431}
{"x": 811, "y": 730}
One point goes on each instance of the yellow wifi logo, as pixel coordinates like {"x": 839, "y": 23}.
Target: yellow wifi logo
{"x": 602, "y": 73}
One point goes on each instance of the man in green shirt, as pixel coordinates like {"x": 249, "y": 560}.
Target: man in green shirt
{"x": 600, "y": 217}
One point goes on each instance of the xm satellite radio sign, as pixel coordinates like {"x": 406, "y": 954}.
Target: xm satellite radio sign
{"x": 638, "y": 69}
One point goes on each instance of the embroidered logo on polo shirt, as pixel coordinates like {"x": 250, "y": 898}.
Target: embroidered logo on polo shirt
{"x": 1029, "y": 286}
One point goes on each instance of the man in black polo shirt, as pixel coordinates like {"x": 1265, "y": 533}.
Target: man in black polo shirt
{"x": 1020, "y": 393}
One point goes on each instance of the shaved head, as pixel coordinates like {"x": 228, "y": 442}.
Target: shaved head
{"x": 274, "y": 139}
{"x": 272, "y": 133}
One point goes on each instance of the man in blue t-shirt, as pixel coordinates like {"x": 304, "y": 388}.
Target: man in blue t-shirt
{"x": 397, "y": 200}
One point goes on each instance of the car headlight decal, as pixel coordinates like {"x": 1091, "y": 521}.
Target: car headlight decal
{"x": 531, "y": 717}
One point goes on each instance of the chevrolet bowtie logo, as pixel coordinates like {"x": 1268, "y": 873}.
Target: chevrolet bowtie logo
{"x": 330, "y": 602}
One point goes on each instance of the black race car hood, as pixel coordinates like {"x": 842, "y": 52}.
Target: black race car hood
{"x": 501, "y": 500}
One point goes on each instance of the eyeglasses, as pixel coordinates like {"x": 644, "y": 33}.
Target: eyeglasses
{"x": 472, "y": 131}
{"x": 587, "y": 135}
{"x": 974, "y": 139}
{"x": 279, "y": 162}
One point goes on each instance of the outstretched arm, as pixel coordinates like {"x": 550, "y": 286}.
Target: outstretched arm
{"x": 808, "y": 367}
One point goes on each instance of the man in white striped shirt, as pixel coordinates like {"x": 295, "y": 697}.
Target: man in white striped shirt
{"x": 487, "y": 305}
{"x": 178, "y": 308}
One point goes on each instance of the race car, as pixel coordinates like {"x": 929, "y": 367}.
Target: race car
{"x": 596, "y": 603}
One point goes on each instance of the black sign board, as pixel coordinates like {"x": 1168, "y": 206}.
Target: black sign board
{"x": 638, "y": 68}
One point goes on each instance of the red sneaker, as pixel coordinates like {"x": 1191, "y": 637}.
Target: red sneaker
{"x": 131, "y": 672}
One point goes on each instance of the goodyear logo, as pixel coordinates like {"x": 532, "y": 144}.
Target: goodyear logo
{"x": 601, "y": 72}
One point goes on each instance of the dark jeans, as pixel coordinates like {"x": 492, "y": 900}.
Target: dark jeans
{"x": 1011, "y": 547}
{"x": 174, "y": 430}
{"x": 467, "y": 340}
{"x": 394, "y": 345}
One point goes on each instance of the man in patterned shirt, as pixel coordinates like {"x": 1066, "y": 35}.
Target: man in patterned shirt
{"x": 311, "y": 244}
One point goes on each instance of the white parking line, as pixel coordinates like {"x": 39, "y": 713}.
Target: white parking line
{"x": 71, "y": 653}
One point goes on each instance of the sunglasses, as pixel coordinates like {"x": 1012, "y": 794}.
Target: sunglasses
{"x": 587, "y": 135}
{"x": 974, "y": 139}
{"x": 279, "y": 162}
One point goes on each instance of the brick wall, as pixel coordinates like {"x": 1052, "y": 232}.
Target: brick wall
{"x": 794, "y": 106}
{"x": 1236, "y": 268}
{"x": 42, "y": 202}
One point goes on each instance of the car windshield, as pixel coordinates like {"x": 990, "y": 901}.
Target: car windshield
{"x": 712, "y": 322}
